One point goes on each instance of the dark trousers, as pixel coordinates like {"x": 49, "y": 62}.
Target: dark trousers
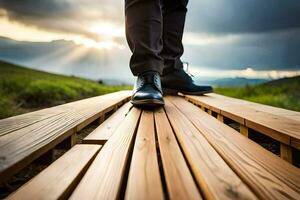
{"x": 154, "y": 30}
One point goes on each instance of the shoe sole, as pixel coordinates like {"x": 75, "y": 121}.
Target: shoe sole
{"x": 167, "y": 91}
{"x": 147, "y": 103}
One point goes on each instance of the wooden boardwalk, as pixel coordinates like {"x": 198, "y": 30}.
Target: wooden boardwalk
{"x": 179, "y": 151}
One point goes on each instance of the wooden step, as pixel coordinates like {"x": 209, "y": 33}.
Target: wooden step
{"x": 279, "y": 124}
{"x": 22, "y": 141}
{"x": 103, "y": 179}
{"x": 102, "y": 133}
{"x": 266, "y": 174}
{"x": 59, "y": 179}
{"x": 144, "y": 181}
{"x": 179, "y": 180}
{"x": 214, "y": 176}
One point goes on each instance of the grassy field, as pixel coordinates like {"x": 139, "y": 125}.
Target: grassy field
{"x": 23, "y": 89}
{"x": 284, "y": 93}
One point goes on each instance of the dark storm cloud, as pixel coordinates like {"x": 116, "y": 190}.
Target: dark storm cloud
{"x": 260, "y": 51}
{"x": 267, "y": 31}
{"x": 243, "y": 16}
{"x": 54, "y": 15}
{"x": 32, "y": 9}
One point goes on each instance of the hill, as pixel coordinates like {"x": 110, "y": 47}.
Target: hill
{"x": 67, "y": 57}
{"x": 23, "y": 89}
{"x": 282, "y": 93}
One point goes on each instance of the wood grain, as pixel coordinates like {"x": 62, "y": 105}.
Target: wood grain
{"x": 277, "y": 123}
{"x": 294, "y": 115}
{"x": 179, "y": 180}
{"x": 59, "y": 179}
{"x": 268, "y": 176}
{"x": 14, "y": 123}
{"x": 286, "y": 153}
{"x": 215, "y": 178}
{"x": 295, "y": 143}
{"x": 244, "y": 130}
{"x": 23, "y": 145}
{"x": 102, "y": 133}
{"x": 104, "y": 177}
{"x": 144, "y": 180}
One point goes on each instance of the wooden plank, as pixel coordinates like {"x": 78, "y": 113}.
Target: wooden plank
{"x": 21, "y": 147}
{"x": 67, "y": 143}
{"x": 215, "y": 178}
{"x": 179, "y": 180}
{"x": 102, "y": 133}
{"x": 59, "y": 179}
{"x": 277, "y": 135}
{"x": 11, "y": 124}
{"x": 144, "y": 179}
{"x": 244, "y": 130}
{"x": 202, "y": 104}
{"x": 268, "y": 176}
{"x": 209, "y": 112}
{"x": 88, "y": 121}
{"x": 232, "y": 115}
{"x": 104, "y": 177}
{"x": 294, "y": 115}
{"x": 220, "y": 118}
{"x": 101, "y": 119}
{"x": 203, "y": 108}
{"x": 295, "y": 143}
{"x": 277, "y": 123}
{"x": 286, "y": 153}
{"x": 14, "y": 123}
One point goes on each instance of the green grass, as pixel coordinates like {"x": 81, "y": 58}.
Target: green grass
{"x": 23, "y": 90}
{"x": 283, "y": 93}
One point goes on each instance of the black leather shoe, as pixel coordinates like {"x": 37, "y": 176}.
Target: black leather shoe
{"x": 180, "y": 81}
{"x": 147, "y": 90}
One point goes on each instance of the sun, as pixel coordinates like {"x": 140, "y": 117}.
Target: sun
{"x": 107, "y": 29}
{"x": 107, "y": 32}
{"x": 107, "y": 44}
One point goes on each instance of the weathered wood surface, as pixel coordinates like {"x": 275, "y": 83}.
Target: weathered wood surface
{"x": 59, "y": 179}
{"x": 144, "y": 180}
{"x": 179, "y": 180}
{"x": 102, "y": 133}
{"x": 280, "y": 124}
{"x": 103, "y": 179}
{"x": 175, "y": 152}
{"x": 268, "y": 176}
{"x": 22, "y": 141}
{"x": 216, "y": 179}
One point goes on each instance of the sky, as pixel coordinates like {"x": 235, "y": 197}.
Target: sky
{"x": 223, "y": 38}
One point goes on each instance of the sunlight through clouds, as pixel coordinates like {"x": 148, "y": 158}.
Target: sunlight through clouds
{"x": 196, "y": 39}
{"x": 107, "y": 33}
{"x": 223, "y": 38}
{"x": 246, "y": 73}
{"x": 108, "y": 29}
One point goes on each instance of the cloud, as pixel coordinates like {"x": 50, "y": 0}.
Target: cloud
{"x": 233, "y": 34}
{"x": 63, "y": 16}
{"x": 246, "y": 16}
{"x": 223, "y": 34}
{"x": 246, "y": 73}
{"x": 262, "y": 51}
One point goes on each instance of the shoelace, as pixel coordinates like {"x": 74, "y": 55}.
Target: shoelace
{"x": 187, "y": 68}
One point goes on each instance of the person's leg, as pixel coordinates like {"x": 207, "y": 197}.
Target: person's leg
{"x": 174, "y": 78}
{"x": 144, "y": 36}
{"x": 174, "y": 12}
{"x": 143, "y": 20}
